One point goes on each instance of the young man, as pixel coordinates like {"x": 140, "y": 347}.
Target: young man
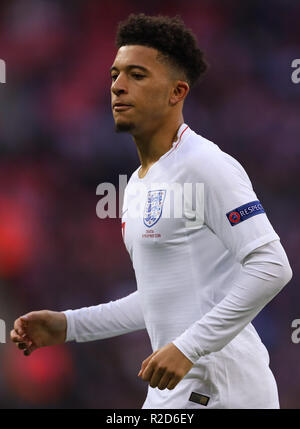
{"x": 201, "y": 276}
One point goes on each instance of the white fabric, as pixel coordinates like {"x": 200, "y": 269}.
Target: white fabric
{"x": 105, "y": 320}
{"x": 264, "y": 273}
{"x": 196, "y": 286}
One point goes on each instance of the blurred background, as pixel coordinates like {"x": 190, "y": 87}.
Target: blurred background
{"x": 57, "y": 143}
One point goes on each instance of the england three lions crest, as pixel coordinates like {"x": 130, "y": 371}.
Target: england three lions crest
{"x": 153, "y": 207}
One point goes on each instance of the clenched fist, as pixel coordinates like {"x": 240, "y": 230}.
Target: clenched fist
{"x": 39, "y": 329}
{"x": 165, "y": 367}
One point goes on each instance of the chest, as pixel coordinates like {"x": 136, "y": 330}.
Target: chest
{"x": 159, "y": 214}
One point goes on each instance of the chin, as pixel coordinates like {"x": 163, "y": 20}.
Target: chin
{"x": 124, "y": 127}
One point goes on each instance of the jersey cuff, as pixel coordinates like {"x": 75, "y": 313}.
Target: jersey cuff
{"x": 255, "y": 244}
{"x": 70, "y": 326}
{"x": 185, "y": 348}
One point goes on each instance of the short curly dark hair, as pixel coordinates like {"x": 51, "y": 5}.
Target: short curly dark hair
{"x": 170, "y": 37}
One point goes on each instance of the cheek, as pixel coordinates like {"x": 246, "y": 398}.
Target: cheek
{"x": 157, "y": 100}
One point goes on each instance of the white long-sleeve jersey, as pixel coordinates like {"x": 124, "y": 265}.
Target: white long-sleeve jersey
{"x": 206, "y": 260}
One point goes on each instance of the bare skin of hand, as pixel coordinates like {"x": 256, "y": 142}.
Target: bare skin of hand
{"x": 165, "y": 368}
{"x": 39, "y": 329}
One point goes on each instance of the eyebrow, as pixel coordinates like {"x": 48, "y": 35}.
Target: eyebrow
{"x": 129, "y": 67}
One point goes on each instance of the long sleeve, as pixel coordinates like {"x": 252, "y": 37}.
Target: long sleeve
{"x": 105, "y": 320}
{"x": 265, "y": 271}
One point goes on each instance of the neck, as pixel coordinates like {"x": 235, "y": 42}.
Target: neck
{"x": 153, "y": 144}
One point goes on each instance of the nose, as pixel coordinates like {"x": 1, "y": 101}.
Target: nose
{"x": 119, "y": 86}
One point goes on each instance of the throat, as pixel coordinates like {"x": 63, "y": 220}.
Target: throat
{"x": 144, "y": 170}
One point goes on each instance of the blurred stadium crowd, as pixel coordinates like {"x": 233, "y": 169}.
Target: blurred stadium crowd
{"x": 57, "y": 143}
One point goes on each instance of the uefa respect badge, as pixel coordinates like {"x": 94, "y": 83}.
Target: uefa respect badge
{"x": 244, "y": 212}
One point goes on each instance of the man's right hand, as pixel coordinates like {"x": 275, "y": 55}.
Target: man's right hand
{"x": 39, "y": 329}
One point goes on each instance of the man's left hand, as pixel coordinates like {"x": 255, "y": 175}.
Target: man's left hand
{"x": 165, "y": 367}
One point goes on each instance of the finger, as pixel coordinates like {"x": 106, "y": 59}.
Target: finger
{"x": 29, "y": 350}
{"x": 148, "y": 372}
{"x": 20, "y": 325}
{"x": 20, "y": 343}
{"x": 156, "y": 377}
{"x": 145, "y": 363}
{"x": 24, "y": 320}
{"x": 15, "y": 337}
{"x": 173, "y": 383}
{"x": 22, "y": 346}
{"x": 164, "y": 381}
{"x": 19, "y": 339}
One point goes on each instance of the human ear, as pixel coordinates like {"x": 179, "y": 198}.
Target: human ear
{"x": 179, "y": 91}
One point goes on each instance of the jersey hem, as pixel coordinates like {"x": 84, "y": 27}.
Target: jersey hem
{"x": 70, "y": 326}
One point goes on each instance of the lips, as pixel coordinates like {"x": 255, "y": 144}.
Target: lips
{"x": 120, "y": 107}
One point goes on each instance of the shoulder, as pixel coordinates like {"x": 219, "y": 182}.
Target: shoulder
{"x": 204, "y": 160}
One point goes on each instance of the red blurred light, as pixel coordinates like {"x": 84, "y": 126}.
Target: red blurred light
{"x": 41, "y": 378}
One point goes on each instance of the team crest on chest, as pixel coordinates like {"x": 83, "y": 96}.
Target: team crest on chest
{"x": 153, "y": 208}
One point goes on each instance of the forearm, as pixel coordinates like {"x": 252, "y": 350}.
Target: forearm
{"x": 105, "y": 320}
{"x": 264, "y": 273}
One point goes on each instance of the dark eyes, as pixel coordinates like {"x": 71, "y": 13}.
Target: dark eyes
{"x": 136, "y": 76}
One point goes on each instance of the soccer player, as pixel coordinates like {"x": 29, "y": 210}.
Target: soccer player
{"x": 201, "y": 276}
